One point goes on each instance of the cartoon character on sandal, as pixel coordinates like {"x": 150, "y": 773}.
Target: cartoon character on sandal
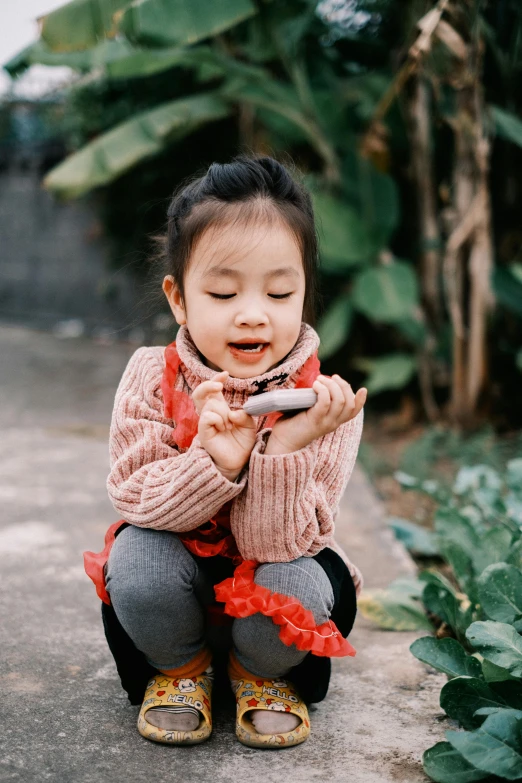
{"x": 177, "y": 711}
{"x": 269, "y": 712}
{"x": 258, "y": 695}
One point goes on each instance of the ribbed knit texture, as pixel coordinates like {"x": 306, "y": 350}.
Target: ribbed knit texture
{"x": 284, "y": 506}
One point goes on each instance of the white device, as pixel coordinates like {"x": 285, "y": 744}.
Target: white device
{"x": 280, "y": 400}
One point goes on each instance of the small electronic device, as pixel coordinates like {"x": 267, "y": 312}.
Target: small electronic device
{"x": 280, "y": 400}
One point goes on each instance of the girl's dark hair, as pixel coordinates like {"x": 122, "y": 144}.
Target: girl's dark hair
{"x": 246, "y": 189}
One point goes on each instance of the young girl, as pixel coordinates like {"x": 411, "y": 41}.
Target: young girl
{"x": 226, "y": 540}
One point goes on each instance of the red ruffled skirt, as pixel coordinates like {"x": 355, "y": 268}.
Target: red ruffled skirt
{"x": 239, "y": 596}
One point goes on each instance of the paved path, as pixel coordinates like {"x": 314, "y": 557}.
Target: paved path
{"x": 65, "y": 717}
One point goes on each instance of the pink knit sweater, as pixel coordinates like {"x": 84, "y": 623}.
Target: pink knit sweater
{"x": 284, "y": 505}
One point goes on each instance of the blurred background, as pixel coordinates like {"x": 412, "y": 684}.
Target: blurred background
{"x": 404, "y": 117}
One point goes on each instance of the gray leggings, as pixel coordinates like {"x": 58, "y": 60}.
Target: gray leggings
{"x": 159, "y": 591}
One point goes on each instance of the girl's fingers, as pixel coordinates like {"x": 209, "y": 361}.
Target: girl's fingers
{"x": 218, "y": 405}
{"x": 335, "y": 398}
{"x": 360, "y": 399}
{"x": 213, "y": 419}
{"x": 323, "y": 395}
{"x": 206, "y": 388}
{"x": 201, "y": 395}
{"x": 241, "y": 418}
{"x": 349, "y": 396}
{"x": 337, "y": 395}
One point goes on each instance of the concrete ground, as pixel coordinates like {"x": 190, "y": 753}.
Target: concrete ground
{"x": 65, "y": 717}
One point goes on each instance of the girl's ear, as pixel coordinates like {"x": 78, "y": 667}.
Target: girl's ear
{"x": 172, "y": 292}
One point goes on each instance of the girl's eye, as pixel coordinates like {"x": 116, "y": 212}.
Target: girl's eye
{"x": 229, "y": 296}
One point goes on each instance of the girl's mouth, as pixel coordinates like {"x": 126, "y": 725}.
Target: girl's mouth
{"x": 249, "y": 353}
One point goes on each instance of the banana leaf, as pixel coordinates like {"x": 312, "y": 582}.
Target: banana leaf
{"x": 80, "y": 24}
{"x": 176, "y": 22}
{"x": 146, "y": 134}
{"x": 103, "y": 54}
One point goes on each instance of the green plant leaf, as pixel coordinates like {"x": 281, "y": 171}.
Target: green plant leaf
{"x": 451, "y": 525}
{"x": 343, "y": 236}
{"x": 414, "y": 329}
{"x": 176, "y": 22}
{"x": 461, "y": 565}
{"x": 436, "y": 578}
{"x": 515, "y": 554}
{"x": 387, "y": 372}
{"x": 333, "y": 329}
{"x": 146, "y": 134}
{"x": 446, "y": 655}
{"x": 495, "y": 747}
{"x": 443, "y": 603}
{"x": 141, "y": 62}
{"x": 507, "y": 125}
{"x": 444, "y": 764}
{"x": 494, "y": 673}
{"x": 406, "y": 480}
{"x": 387, "y": 293}
{"x": 497, "y": 710}
{"x": 514, "y": 474}
{"x": 396, "y": 608}
{"x": 462, "y": 696}
{"x": 80, "y": 24}
{"x": 415, "y": 538}
{"x": 494, "y": 548}
{"x": 500, "y": 592}
{"x": 476, "y": 477}
{"x": 507, "y": 289}
{"x": 499, "y": 643}
{"x": 38, "y": 53}
{"x": 374, "y": 194}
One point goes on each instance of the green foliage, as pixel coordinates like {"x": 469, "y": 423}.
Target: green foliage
{"x": 478, "y": 533}
{"x": 132, "y": 141}
{"x": 345, "y": 239}
{"x": 295, "y": 79}
{"x": 507, "y": 125}
{"x": 415, "y": 538}
{"x": 386, "y": 293}
{"x": 80, "y": 24}
{"x": 494, "y": 747}
{"x": 334, "y": 327}
{"x": 446, "y": 765}
{"x": 398, "y": 607}
{"x": 387, "y": 372}
{"x": 446, "y": 655}
{"x": 176, "y": 22}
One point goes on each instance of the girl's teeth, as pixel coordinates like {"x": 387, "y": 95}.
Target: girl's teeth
{"x": 253, "y": 350}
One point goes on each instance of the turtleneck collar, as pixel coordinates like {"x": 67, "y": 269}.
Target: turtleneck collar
{"x": 283, "y": 376}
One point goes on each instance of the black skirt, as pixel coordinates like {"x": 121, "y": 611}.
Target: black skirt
{"x": 311, "y": 676}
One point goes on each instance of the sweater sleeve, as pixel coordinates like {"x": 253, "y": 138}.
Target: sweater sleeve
{"x": 291, "y": 501}
{"x": 151, "y": 483}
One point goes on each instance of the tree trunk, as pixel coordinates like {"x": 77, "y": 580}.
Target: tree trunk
{"x": 468, "y": 258}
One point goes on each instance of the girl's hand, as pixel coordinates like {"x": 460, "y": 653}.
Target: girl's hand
{"x": 209, "y": 390}
{"x": 336, "y": 404}
{"x": 228, "y": 436}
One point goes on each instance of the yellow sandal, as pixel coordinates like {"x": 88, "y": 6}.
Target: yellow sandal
{"x": 164, "y": 691}
{"x": 260, "y": 694}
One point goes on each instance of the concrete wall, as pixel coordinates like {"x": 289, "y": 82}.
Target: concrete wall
{"x": 54, "y": 263}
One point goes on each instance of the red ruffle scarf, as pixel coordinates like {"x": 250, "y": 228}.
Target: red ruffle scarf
{"x": 240, "y": 595}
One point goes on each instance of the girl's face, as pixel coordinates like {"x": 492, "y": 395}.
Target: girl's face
{"x": 242, "y": 285}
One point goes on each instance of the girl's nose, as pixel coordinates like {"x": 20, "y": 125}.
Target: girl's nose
{"x": 253, "y": 316}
